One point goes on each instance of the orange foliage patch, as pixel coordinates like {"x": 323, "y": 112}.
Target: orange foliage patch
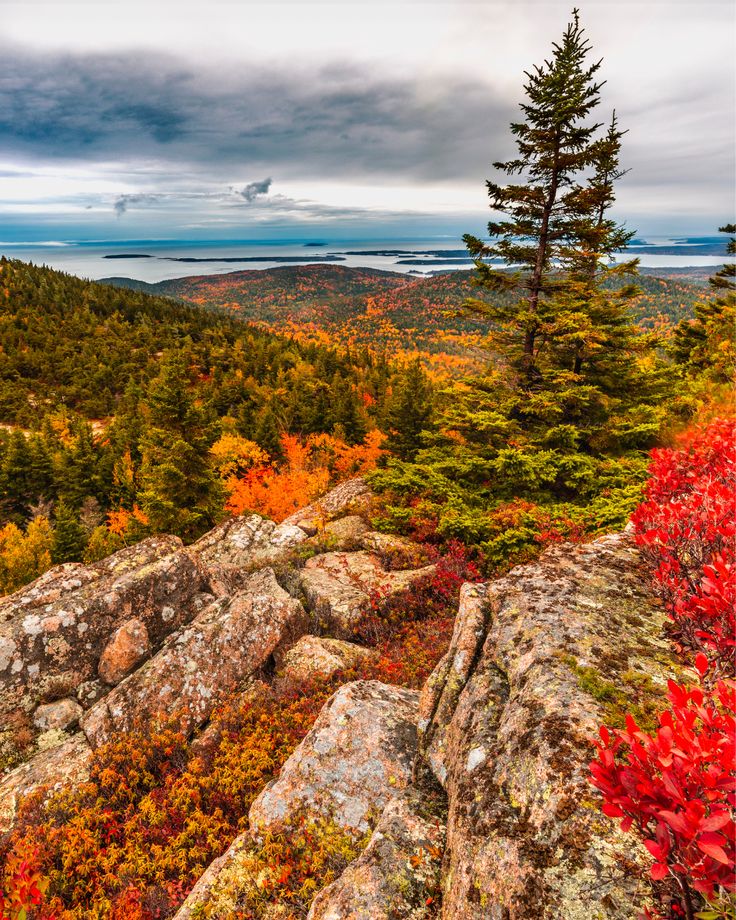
{"x": 119, "y": 522}
{"x": 309, "y": 467}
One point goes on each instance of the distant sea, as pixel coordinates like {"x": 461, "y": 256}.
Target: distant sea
{"x": 159, "y": 260}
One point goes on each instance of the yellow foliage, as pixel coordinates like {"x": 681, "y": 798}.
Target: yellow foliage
{"x": 24, "y": 556}
{"x": 234, "y": 455}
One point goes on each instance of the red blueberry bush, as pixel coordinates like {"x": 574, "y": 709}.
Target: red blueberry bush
{"x": 677, "y": 786}
{"x": 21, "y": 885}
{"x": 687, "y": 531}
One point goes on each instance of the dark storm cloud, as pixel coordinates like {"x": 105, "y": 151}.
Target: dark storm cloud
{"x": 123, "y": 202}
{"x": 334, "y": 122}
{"x": 253, "y": 189}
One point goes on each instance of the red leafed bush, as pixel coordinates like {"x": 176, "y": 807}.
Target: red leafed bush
{"x": 678, "y": 787}
{"x": 21, "y": 885}
{"x": 687, "y": 530}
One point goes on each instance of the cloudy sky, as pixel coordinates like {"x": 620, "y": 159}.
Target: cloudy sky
{"x": 244, "y": 120}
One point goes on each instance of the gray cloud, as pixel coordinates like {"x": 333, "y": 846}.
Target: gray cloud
{"x": 253, "y": 189}
{"x": 174, "y": 131}
{"x": 334, "y": 122}
{"x": 121, "y": 204}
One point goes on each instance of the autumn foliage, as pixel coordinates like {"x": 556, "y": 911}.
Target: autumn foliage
{"x": 21, "y": 885}
{"x": 308, "y": 468}
{"x": 687, "y": 531}
{"x": 677, "y": 786}
{"x": 130, "y": 843}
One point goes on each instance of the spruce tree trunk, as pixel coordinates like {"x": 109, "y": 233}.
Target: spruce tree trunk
{"x": 535, "y": 282}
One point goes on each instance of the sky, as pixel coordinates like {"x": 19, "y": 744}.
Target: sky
{"x": 230, "y": 119}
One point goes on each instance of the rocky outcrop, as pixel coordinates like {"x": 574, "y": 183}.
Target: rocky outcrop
{"x": 356, "y": 758}
{"x": 350, "y": 497}
{"x": 241, "y": 545}
{"x": 339, "y": 588}
{"x": 63, "y": 764}
{"x": 538, "y": 660}
{"x": 346, "y": 533}
{"x": 397, "y": 873}
{"x": 204, "y": 663}
{"x": 316, "y": 656}
{"x": 55, "y": 630}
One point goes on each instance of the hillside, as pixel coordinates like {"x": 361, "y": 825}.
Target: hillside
{"x": 316, "y": 748}
{"x": 319, "y": 721}
{"x": 79, "y": 344}
{"x": 381, "y": 309}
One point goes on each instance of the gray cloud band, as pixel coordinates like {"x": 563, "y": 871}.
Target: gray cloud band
{"x": 334, "y": 122}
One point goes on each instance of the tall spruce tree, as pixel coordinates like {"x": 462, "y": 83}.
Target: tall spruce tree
{"x": 180, "y": 489}
{"x": 542, "y": 213}
{"x": 553, "y": 430}
{"x": 570, "y": 339}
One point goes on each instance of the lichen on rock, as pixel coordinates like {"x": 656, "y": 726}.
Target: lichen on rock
{"x": 507, "y": 727}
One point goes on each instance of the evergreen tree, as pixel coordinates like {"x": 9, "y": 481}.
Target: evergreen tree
{"x": 15, "y": 479}
{"x": 725, "y": 279}
{"x": 70, "y": 539}
{"x": 707, "y": 343}
{"x": 555, "y": 144}
{"x": 268, "y": 430}
{"x": 345, "y": 414}
{"x": 181, "y": 492}
{"x": 554, "y": 429}
{"x": 409, "y": 412}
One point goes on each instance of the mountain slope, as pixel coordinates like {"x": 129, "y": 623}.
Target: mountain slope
{"x": 372, "y": 308}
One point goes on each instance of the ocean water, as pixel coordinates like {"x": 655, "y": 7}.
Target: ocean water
{"x": 151, "y": 260}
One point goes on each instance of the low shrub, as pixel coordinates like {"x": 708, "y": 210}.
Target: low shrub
{"x": 676, "y": 786}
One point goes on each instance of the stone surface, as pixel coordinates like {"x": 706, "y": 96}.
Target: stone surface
{"x": 507, "y": 721}
{"x": 395, "y": 552}
{"x": 247, "y": 541}
{"x": 128, "y": 646}
{"x": 349, "y": 497}
{"x": 61, "y": 714}
{"x": 346, "y": 532}
{"x": 355, "y": 759}
{"x": 91, "y": 691}
{"x": 339, "y": 587}
{"x": 210, "y": 881}
{"x": 315, "y": 656}
{"x": 204, "y": 663}
{"x": 54, "y": 631}
{"x": 65, "y": 763}
{"x": 395, "y": 874}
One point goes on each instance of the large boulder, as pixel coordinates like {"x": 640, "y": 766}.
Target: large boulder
{"x": 61, "y": 715}
{"x": 204, "y": 663}
{"x": 54, "y": 631}
{"x": 317, "y": 656}
{"x": 351, "y": 496}
{"x": 345, "y": 533}
{"x": 62, "y": 764}
{"x": 339, "y": 587}
{"x": 356, "y": 758}
{"x": 397, "y": 873}
{"x": 539, "y": 659}
{"x": 245, "y": 543}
